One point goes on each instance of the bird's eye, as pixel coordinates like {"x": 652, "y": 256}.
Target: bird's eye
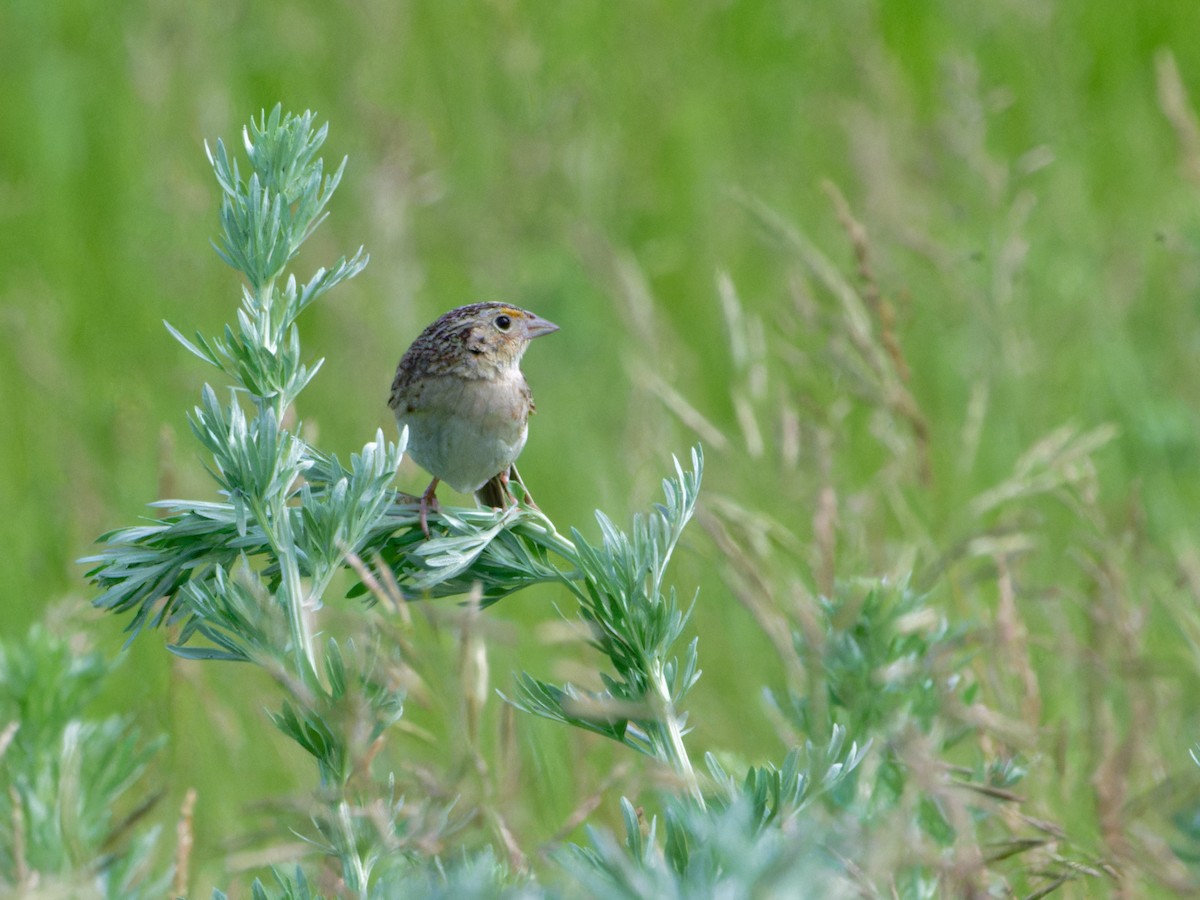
{"x": 503, "y": 323}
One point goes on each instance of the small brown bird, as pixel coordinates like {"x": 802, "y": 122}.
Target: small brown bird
{"x": 460, "y": 391}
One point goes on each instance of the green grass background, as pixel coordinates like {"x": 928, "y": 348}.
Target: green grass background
{"x": 1029, "y": 212}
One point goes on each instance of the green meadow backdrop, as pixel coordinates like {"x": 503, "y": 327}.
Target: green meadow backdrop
{"x": 689, "y": 189}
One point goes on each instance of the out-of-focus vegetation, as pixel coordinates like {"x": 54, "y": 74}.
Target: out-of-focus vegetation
{"x": 921, "y": 278}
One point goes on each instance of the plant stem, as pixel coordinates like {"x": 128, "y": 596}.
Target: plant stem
{"x": 351, "y": 861}
{"x": 277, "y": 526}
{"x": 669, "y": 721}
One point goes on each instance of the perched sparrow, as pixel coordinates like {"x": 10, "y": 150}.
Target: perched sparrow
{"x": 460, "y": 391}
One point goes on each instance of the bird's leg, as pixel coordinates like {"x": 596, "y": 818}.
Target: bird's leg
{"x": 428, "y": 501}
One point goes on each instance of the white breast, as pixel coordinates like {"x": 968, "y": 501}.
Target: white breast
{"x": 466, "y": 431}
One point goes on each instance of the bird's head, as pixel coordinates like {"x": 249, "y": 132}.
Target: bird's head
{"x": 494, "y": 333}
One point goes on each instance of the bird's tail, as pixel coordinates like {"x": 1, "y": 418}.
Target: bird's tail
{"x": 495, "y": 492}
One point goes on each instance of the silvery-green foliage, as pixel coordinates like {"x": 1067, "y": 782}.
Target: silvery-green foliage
{"x": 65, "y": 774}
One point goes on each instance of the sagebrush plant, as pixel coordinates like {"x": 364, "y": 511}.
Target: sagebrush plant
{"x": 246, "y": 578}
